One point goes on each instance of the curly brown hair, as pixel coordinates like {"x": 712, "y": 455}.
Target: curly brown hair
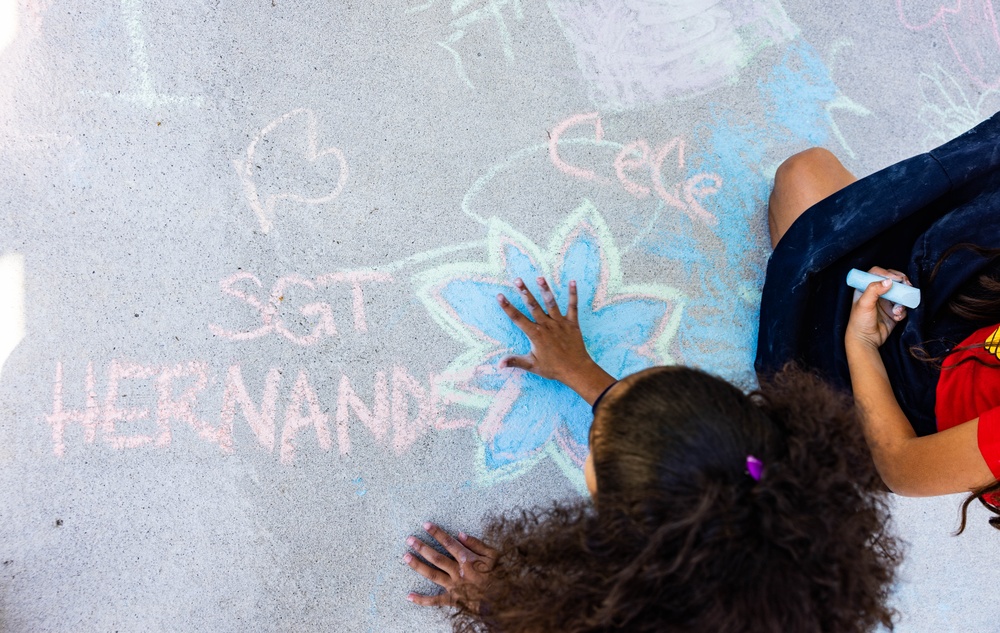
{"x": 681, "y": 538}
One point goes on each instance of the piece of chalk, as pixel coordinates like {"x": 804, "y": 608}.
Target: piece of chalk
{"x": 899, "y": 293}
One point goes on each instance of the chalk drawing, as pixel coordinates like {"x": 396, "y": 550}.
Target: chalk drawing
{"x": 628, "y": 162}
{"x": 404, "y": 408}
{"x": 260, "y": 419}
{"x": 801, "y": 99}
{"x": 947, "y": 111}
{"x": 469, "y": 13}
{"x": 145, "y": 93}
{"x": 303, "y": 394}
{"x": 528, "y": 418}
{"x": 639, "y": 53}
{"x": 970, "y": 26}
{"x": 249, "y": 169}
{"x": 726, "y": 267}
{"x": 359, "y": 488}
{"x": 684, "y": 196}
{"x": 12, "y": 318}
{"x": 88, "y": 417}
{"x": 117, "y": 372}
{"x": 319, "y": 312}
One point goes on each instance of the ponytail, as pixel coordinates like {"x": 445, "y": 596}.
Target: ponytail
{"x": 681, "y": 537}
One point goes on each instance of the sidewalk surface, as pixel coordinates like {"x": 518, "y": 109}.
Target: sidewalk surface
{"x": 249, "y": 253}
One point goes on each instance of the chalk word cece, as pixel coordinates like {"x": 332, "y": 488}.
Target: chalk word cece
{"x": 685, "y": 195}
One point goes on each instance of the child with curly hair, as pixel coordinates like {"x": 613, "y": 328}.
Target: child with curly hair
{"x": 715, "y": 510}
{"x": 710, "y": 510}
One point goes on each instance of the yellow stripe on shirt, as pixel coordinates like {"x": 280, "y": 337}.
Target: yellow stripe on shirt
{"x": 992, "y": 344}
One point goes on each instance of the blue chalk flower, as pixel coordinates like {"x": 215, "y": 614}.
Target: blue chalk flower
{"x": 528, "y": 418}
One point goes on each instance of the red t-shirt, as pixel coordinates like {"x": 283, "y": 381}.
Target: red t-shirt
{"x": 971, "y": 389}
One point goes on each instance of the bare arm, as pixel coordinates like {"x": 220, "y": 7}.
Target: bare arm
{"x": 943, "y": 463}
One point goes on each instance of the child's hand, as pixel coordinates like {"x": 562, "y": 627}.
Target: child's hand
{"x": 557, "y": 348}
{"x": 872, "y": 318}
{"x": 465, "y": 570}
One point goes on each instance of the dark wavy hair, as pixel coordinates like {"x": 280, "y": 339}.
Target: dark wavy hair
{"x": 681, "y": 538}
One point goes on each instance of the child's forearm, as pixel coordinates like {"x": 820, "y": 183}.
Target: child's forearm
{"x": 589, "y": 381}
{"x": 885, "y": 426}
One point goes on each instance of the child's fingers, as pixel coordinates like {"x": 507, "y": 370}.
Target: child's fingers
{"x": 536, "y": 310}
{"x": 456, "y": 549}
{"x": 432, "y": 574}
{"x": 891, "y": 273}
{"x": 571, "y": 308}
{"x": 432, "y": 556}
{"x": 440, "y": 600}
{"x": 477, "y": 546}
{"x": 518, "y": 362}
{"x": 870, "y": 297}
{"x": 551, "y": 306}
{"x": 522, "y": 322}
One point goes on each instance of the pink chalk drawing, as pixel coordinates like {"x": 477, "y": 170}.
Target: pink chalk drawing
{"x": 88, "y": 418}
{"x": 403, "y": 409}
{"x": 684, "y": 193}
{"x": 469, "y": 13}
{"x": 182, "y": 409}
{"x": 303, "y": 394}
{"x": 375, "y": 418}
{"x": 320, "y": 313}
{"x": 577, "y": 119}
{"x": 260, "y": 419}
{"x": 627, "y": 327}
{"x": 639, "y": 53}
{"x": 108, "y": 418}
{"x": 970, "y": 26}
{"x": 117, "y": 372}
{"x": 275, "y": 186}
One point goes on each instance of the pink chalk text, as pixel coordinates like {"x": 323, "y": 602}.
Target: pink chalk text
{"x": 401, "y": 409}
{"x": 272, "y": 314}
{"x": 641, "y": 168}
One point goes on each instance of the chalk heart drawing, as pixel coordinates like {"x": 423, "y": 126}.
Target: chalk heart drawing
{"x": 264, "y": 203}
{"x": 970, "y": 27}
{"x": 639, "y": 52}
{"x": 528, "y": 418}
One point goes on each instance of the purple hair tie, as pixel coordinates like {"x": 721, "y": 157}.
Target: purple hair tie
{"x": 755, "y": 467}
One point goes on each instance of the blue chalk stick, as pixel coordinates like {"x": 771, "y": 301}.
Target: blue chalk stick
{"x": 899, "y": 293}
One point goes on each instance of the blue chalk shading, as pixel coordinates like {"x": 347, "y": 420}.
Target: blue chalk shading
{"x": 546, "y": 411}
{"x": 797, "y": 93}
{"x": 360, "y": 485}
{"x": 719, "y": 331}
{"x": 729, "y": 271}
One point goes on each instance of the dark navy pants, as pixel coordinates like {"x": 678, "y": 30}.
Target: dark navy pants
{"x": 904, "y": 217}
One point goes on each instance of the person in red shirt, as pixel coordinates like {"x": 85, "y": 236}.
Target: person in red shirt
{"x": 960, "y": 450}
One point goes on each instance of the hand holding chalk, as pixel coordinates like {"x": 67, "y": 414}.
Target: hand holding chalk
{"x": 899, "y": 293}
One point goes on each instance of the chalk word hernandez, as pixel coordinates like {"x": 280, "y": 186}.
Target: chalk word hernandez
{"x": 637, "y": 156}
{"x": 268, "y": 310}
{"x": 401, "y": 410}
